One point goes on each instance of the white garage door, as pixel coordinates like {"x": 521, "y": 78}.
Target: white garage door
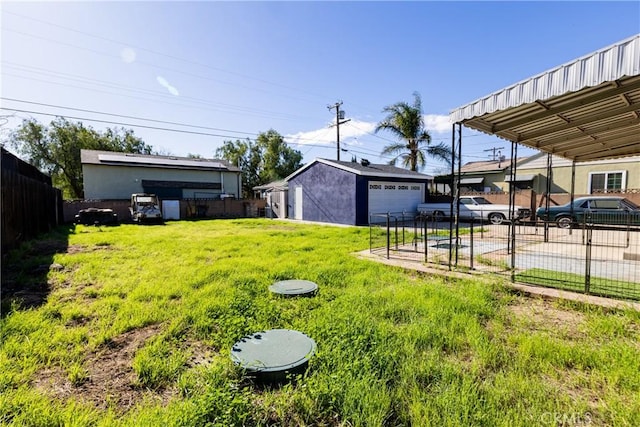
{"x": 395, "y": 196}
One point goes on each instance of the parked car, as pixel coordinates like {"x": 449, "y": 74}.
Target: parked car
{"x": 475, "y": 207}
{"x": 594, "y": 209}
{"x": 96, "y": 216}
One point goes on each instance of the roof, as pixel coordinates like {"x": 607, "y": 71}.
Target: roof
{"x": 484, "y": 166}
{"x": 274, "y": 185}
{"x": 111, "y": 158}
{"x": 586, "y": 109}
{"x": 374, "y": 170}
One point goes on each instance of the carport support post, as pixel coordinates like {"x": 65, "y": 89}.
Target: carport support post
{"x": 458, "y": 191}
{"x": 456, "y": 157}
{"x": 573, "y": 191}
{"x": 453, "y": 186}
{"x": 512, "y": 204}
{"x": 547, "y": 196}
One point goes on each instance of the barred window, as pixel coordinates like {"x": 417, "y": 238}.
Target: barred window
{"x": 602, "y": 182}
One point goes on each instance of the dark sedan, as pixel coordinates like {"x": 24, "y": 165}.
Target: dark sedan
{"x": 594, "y": 210}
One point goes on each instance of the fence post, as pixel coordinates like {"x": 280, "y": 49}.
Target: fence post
{"x": 388, "y": 236}
{"x": 471, "y": 244}
{"x": 425, "y": 218}
{"x": 587, "y": 273}
{"x": 395, "y": 222}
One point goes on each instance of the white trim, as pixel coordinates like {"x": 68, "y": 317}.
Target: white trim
{"x": 606, "y": 176}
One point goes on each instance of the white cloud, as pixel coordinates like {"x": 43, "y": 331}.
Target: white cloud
{"x": 437, "y": 123}
{"x": 128, "y": 55}
{"x": 165, "y": 84}
{"x": 348, "y": 131}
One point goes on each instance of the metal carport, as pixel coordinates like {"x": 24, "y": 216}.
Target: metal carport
{"x": 586, "y": 109}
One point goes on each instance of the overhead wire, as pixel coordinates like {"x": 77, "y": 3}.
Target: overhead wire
{"x": 136, "y": 125}
{"x": 158, "y": 95}
{"x": 119, "y": 42}
{"x": 215, "y": 106}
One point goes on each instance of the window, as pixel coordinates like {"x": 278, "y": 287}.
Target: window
{"x": 604, "y": 204}
{"x": 602, "y": 182}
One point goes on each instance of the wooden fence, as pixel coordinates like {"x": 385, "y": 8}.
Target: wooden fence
{"x": 30, "y": 204}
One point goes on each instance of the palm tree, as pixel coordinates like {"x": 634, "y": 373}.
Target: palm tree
{"x": 406, "y": 122}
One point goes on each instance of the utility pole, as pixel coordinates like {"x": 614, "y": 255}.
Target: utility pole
{"x": 494, "y": 150}
{"x": 339, "y": 120}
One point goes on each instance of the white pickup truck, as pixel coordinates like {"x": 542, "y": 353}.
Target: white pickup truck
{"x": 475, "y": 207}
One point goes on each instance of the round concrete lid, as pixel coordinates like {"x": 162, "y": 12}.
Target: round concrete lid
{"x": 275, "y": 350}
{"x": 293, "y": 287}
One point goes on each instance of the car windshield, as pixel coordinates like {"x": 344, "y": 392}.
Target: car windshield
{"x": 481, "y": 201}
{"x": 145, "y": 200}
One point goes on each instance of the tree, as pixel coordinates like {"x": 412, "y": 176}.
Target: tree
{"x": 267, "y": 159}
{"x": 245, "y": 155}
{"x": 56, "y": 149}
{"x": 406, "y": 122}
{"x": 278, "y": 159}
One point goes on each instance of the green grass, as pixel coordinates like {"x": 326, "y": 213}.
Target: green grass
{"x": 395, "y": 347}
{"x": 576, "y": 282}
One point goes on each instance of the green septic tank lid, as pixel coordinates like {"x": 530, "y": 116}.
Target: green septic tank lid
{"x": 294, "y": 287}
{"x": 276, "y": 352}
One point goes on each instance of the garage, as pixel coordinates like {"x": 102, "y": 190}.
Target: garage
{"x": 387, "y": 196}
{"x": 348, "y": 192}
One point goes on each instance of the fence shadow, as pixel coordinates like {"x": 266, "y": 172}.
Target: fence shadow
{"x": 24, "y": 270}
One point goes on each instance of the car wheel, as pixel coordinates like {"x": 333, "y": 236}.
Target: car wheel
{"x": 496, "y": 218}
{"x": 564, "y": 222}
{"x": 438, "y": 216}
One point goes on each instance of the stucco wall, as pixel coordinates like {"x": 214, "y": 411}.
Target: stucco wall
{"x": 119, "y": 182}
{"x": 328, "y": 194}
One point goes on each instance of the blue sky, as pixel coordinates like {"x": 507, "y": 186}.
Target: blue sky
{"x": 230, "y": 70}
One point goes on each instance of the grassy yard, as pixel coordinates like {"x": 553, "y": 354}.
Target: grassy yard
{"x": 137, "y": 323}
{"x": 575, "y": 282}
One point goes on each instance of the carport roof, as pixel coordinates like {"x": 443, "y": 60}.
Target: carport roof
{"x": 586, "y": 109}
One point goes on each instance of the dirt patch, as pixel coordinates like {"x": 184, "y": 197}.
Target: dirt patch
{"x": 25, "y": 297}
{"x": 201, "y": 354}
{"x": 47, "y": 247}
{"x": 110, "y": 380}
{"x": 542, "y": 314}
{"x": 101, "y": 246}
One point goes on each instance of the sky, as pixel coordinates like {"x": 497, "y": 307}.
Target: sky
{"x": 187, "y": 76}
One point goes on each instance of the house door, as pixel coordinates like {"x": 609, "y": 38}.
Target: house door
{"x": 298, "y": 207}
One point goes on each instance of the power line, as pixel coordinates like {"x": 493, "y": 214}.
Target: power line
{"x": 150, "y": 51}
{"x": 124, "y": 116}
{"x": 191, "y": 100}
{"x": 133, "y": 125}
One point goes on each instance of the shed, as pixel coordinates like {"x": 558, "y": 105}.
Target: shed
{"x": 276, "y": 194}
{"x": 344, "y": 192}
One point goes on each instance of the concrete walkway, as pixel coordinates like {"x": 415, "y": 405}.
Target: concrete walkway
{"x": 551, "y": 293}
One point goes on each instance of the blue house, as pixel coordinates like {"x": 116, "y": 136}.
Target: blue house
{"x": 348, "y": 192}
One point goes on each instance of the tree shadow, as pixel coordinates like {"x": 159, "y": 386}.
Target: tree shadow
{"x": 24, "y": 283}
